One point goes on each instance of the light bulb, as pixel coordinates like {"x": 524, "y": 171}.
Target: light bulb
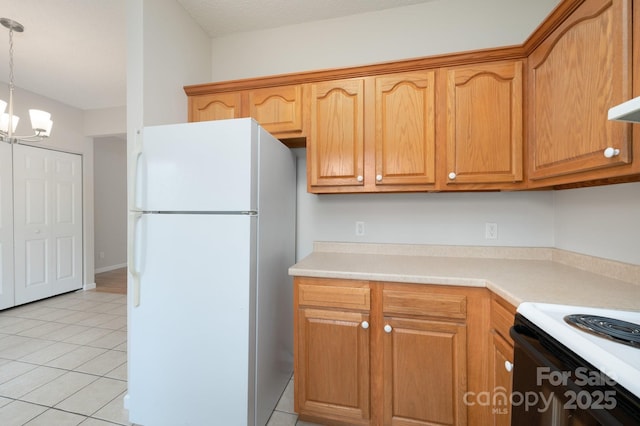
{"x": 40, "y": 121}
{"x": 4, "y": 123}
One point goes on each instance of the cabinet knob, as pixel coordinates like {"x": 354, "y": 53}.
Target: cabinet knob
{"x": 508, "y": 366}
{"x": 360, "y": 178}
{"x": 387, "y": 328}
{"x": 452, "y": 175}
{"x": 611, "y": 152}
{"x": 378, "y": 178}
{"x": 364, "y": 324}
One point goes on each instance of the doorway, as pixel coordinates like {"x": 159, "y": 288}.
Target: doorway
{"x": 110, "y": 212}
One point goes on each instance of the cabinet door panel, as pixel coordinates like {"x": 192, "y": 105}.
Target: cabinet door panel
{"x": 277, "y": 109}
{"x": 336, "y": 148}
{"x": 484, "y": 123}
{"x": 424, "y": 372}
{"x": 405, "y": 129}
{"x": 218, "y": 106}
{"x": 333, "y": 364}
{"x": 501, "y": 379}
{"x": 576, "y": 75}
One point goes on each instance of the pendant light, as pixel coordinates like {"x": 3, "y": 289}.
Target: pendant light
{"x": 40, "y": 120}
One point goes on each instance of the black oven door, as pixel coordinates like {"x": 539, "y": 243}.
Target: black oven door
{"x": 552, "y": 386}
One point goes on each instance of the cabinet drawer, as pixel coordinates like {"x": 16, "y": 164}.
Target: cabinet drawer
{"x": 501, "y": 318}
{"x": 424, "y": 304}
{"x": 335, "y": 296}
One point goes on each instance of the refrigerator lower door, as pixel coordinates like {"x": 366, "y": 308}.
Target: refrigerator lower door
{"x": 190, "y": 345}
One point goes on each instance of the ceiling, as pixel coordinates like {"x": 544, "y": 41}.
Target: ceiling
{"x": 222, "y": 17}
{"x": 74, "y": 51}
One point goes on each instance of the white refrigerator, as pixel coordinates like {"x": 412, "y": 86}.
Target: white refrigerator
{"x": 212, "y": 235}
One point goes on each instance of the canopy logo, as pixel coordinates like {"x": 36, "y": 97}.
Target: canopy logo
{"x": 500, "y": 399}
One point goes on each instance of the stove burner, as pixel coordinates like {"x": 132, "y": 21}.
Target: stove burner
{"x": 620, "y": 331}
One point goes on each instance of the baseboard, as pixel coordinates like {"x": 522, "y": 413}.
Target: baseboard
{"x": 90, "y": 286}
{"x": 110, "y": 268}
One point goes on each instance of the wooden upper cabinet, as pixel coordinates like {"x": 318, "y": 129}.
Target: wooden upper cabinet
{"x": 405, "y": 129}
{"x": 215, "y": 106}
{"x": 335, "y": 149}
{"x": 484, "y": 118}
{"x": 278, "y": 109}
{"x": 462, "y": 121}
{"x": 581, "y": 70}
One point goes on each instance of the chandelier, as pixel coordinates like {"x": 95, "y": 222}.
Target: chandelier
{"x": 40, "y": 120}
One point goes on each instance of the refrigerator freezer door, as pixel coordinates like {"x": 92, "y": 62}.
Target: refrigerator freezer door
{"x": 191, "y": 336}
{"x": 208, "y": 166}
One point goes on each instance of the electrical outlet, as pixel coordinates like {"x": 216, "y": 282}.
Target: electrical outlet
{"x": 490, "y": 231}
{"x": 360, "y": 229}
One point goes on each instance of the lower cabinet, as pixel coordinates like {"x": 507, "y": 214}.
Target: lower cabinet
{"x": 424, "y": 372}
{"x": 501, "y": 361}
{"x": 333, "y": 365}
{"x": 332, "y": 347}
{"x": 376, "y": 353}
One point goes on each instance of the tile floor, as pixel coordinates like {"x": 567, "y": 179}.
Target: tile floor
{"x": 63, "y": 361}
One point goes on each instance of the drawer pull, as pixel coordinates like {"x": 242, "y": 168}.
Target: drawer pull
{"x": 611, "y": 152}
{"x": 508, "y": 366}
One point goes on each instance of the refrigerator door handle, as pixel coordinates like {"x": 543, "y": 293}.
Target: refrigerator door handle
{"x": 131, "y": 258}
{"x": 135, "y": 159}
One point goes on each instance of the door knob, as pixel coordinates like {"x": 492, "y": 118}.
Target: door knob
{"x": 611, "y": 152}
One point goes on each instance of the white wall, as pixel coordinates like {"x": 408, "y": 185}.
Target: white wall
{"x": 105, "y": 121}
{"x": 434, "y": 27}
{"x": 110, "y": 206}
{"x": 602, "y": 221}
{"x": 176, "y": 52}
{"x": 524, "y": 218}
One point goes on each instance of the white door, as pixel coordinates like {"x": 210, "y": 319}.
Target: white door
{"x": 47, "y": 222}
{"x": 6, "y": 228}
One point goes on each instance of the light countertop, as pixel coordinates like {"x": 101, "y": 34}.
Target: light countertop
{"x": 516, "y": 274}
